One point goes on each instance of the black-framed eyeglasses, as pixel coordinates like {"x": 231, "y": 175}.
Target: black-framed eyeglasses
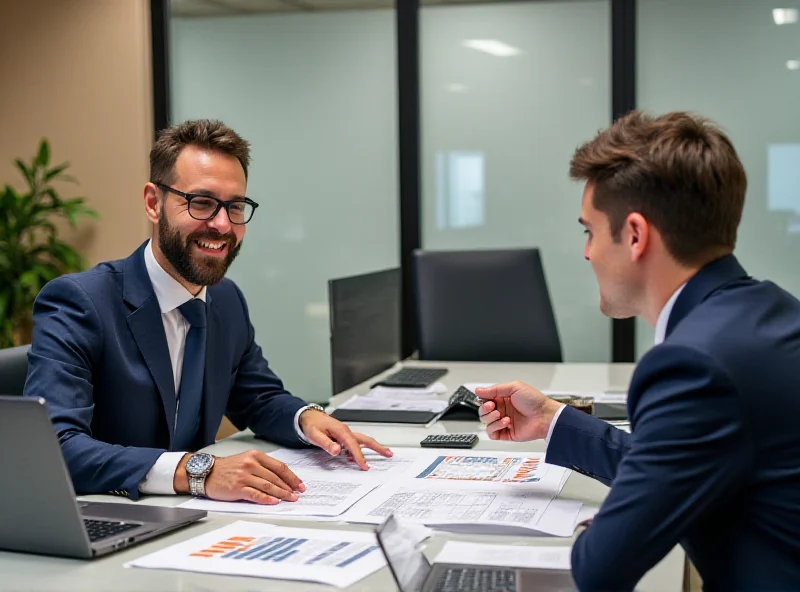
{"x": 206, "y": 207}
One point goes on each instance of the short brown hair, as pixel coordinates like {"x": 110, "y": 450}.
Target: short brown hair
{"x": 203, "y": 133}
{"x": 679, "y": 171}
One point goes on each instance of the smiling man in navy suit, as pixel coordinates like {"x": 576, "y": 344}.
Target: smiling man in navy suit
{"x": 713, "y": 458}
{"x": 139, "y": 358}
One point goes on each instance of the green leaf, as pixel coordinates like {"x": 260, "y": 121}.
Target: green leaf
{"x": 56, "y": 171}
{"x": 43, "y": 158}
{"x": 26, "y": 172}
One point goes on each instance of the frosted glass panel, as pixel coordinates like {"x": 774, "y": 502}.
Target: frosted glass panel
{"x": 508, "y": 92}
{"x": 316, "y": 96}
{"x": 732, "y": 62}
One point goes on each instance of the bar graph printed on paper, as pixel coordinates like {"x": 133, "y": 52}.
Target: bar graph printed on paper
{"x": 484, "y": 468}
{"x": 297, "y": 551}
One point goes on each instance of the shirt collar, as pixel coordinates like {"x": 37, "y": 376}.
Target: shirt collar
{"x": 169, "y": 292}
{"x": 663, "y": 316}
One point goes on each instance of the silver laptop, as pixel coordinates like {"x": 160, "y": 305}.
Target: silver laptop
{"x": 38, "y": 509}
{"x": 414, "y": 573}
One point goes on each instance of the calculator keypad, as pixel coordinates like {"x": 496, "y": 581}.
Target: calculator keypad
{"x": 449, "y": 441}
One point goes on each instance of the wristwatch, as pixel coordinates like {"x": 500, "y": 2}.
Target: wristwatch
{"x": 309, "y": 407}
{"x": 198, "y": 467}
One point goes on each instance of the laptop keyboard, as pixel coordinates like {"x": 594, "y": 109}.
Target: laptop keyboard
{"x": 413, "y": 377}
{"x": 477, "y": 580}
{"x": 102, "y": 529}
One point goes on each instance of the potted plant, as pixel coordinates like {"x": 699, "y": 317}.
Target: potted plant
{"x": 30, "y": 253}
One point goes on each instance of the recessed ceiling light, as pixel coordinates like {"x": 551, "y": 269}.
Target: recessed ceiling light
{"x": 793, "y": 64}
{"x": 785, "y": 16}
{"x": 492, "y": 47}
{"x": 456, "y": 87}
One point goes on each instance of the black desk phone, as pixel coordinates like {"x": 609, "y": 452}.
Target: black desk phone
{"x": 463, "y": 406}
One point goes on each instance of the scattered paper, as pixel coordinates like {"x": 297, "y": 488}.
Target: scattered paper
{"x": 333, "y": 557}
{"x": 394, "y": 404}
{"x": 503, "y": 507}
{"x": 491, "y": 467}
{"x": 413, "y": 393}
{"x": 494, "y": 468}
{"x": 321, "y": 498}
{"x": 460, "y": 553}
{"x": 315, "y": 461}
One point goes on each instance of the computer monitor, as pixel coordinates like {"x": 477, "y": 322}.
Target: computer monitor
{"x": 365, "y": 326}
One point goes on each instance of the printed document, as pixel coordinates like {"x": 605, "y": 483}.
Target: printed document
{"x": 333, "y": 557}
{"x": 316, "y": 461}
{"x": 491, "y": 467}
{"x": 483, "y": 508}
{"x": 333, "y": 483}
{"x": 321, "y": 498}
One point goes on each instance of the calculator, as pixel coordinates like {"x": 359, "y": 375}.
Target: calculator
{"x": 450, "y": 441}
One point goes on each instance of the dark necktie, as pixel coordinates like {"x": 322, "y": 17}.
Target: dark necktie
{"x": 190, "y": 394}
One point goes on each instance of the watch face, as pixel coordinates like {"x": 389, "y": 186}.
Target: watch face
{"x": 199, "y": 464}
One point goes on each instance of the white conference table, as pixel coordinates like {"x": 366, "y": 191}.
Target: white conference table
{"x": 34, "y": 573}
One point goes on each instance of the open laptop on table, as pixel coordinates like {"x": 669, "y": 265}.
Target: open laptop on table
{"x": 38, "y": 509}
{"x": 414, "y": 573}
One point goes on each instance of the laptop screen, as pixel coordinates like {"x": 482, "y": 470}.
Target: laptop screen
{"x": 407, "y": 562}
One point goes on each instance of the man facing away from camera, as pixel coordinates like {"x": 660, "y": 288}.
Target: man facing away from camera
{"x": 713, "y": 458}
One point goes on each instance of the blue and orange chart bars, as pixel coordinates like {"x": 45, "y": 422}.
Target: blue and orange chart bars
{"x": 332, "y": 557}
{"x": 278, "y": 549}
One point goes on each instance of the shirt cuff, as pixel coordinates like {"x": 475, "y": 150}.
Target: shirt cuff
{"x": 297, "y": 429}
{"x": 552, "y": 427}
{"x": 161, "y": 476}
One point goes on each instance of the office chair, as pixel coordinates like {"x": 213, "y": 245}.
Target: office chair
{"x": 484, "y": 306}
{"x": 13, "y": 369}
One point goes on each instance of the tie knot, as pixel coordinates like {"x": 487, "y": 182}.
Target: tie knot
{"x": 194, "y": 311}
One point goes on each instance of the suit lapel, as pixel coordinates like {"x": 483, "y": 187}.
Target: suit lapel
{"x": 147, "y": 328}
{"x": 215, "y": 381}
{"x": 705, "y": 282}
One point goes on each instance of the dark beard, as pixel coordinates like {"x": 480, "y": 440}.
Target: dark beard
{"x": 205, "y": 271}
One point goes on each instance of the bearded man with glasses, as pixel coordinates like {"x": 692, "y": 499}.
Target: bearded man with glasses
{"x": 140, "y": 358}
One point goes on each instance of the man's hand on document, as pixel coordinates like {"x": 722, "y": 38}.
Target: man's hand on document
{"x": 333, "y": 436}
{"x": 516, "y": 412}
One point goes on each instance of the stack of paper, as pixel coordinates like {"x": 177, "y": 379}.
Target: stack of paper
{"x": 397, "y": 399}
{"x": 333, "y": 557}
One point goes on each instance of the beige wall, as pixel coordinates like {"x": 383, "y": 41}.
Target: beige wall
{"x": 78, "y": 73}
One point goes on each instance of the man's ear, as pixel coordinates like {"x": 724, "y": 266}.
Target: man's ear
{"x": 637, "y": 230}
{"x": 152, "y": 202}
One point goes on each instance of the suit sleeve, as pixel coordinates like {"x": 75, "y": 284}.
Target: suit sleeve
{"x": 587, "y": 445}
{"x": 258, "y": 399}
{"x": 66, "y": 346}
{"x": 688, "y": 452}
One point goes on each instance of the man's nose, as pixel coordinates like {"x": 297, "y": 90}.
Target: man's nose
{"x": 220, "y": 222}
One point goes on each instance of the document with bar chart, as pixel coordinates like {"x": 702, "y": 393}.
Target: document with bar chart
{"x": 497, "y": 469}
{"x": 333, "y": 557}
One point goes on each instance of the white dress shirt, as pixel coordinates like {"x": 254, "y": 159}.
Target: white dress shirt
{"x": 170, "y": 295}
{"x": 661, "y": 333}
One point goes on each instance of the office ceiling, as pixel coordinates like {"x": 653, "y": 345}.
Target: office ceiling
{"x": 238, "y": 7}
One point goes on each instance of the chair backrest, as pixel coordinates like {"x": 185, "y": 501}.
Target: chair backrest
{"x": 13, "y": 369}
{"x": 485, "y": 306}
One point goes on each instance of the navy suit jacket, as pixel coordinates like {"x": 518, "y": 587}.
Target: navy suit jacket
{"x": 99, "y": 358}
{"x": 713, "y": 458}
